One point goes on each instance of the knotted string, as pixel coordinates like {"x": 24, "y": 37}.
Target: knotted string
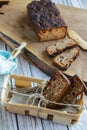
{"x": 34, "y": 94}
{"x": 42, "y": 98}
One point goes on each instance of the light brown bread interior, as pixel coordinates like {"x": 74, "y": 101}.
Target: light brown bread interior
{"x": 76, "y": 88}
{"x": 63, "y": 60}
{"x": 60, "y": 46}
{"x": 56, "y": 87}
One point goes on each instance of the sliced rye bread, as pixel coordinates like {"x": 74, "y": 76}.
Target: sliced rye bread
{"x": 56, "y": 88}
{"x": 76, "y": 88}
{"x": 59, "y": 47}
{"x": 63, "y": 60}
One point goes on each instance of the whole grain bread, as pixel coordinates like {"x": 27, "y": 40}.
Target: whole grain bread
{"x": 56, "y": 88}
{"x": 59, "y": 47}
{"x": 63, "y": 60}
{"x": 46, "y": 18}
{"x": 76, "y": 88}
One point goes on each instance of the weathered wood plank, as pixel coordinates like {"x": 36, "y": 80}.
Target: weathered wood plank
{"x": 49, "y": 125}
{"x": 0, "y": 117}
{"x": 22, "y": 31}
{"x": 29, "y": 123}
{"x": 86, "y": 102}
{"x": 81, "y": 125}
{"x": 26, "y": 122}
{"x": 8, "y": 120}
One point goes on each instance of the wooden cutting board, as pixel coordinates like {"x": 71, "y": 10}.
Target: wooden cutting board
{"x": 14, "y": 22}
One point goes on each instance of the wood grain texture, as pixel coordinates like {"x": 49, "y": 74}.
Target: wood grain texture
{"x": 16, "y": 24}
{"x": 27, "y": 68}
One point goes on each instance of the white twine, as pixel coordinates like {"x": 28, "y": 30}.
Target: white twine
{"x": 42, "y": 98}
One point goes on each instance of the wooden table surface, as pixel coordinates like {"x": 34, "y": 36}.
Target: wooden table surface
{"x": 10, "y": 121}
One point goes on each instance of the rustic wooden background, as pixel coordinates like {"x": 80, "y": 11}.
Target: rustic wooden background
{"x": 10, "y": 121}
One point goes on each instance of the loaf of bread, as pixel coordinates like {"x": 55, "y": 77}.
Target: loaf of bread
{"x": 46, "y": 18}
{"x": 59, "y": 47}
{"x": 56, "y": 87}
{"x": 63, "y": 60}
{"x": 76, "y": 88}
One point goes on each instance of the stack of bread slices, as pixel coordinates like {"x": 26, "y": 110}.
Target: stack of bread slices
{"x": 64, "y": 53}
{"x": 60, "y": 89}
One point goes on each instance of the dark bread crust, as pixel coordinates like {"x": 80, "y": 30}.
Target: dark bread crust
{"x": 47, "y": 20}
{"x": 76, "y": 88}
{"x": 56, "y": 88}
{"x": 64, "y": 60}
{"x": 61, "y": 46}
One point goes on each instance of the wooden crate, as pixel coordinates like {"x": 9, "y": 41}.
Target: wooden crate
{"x": 26, "y": 109}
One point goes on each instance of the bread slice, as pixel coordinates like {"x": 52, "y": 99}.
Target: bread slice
{"x": 63, "y": 60}
{"x": 76, "y": 88}
{"x": 59, "y": 47}
{"x": 56, "y": 87}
